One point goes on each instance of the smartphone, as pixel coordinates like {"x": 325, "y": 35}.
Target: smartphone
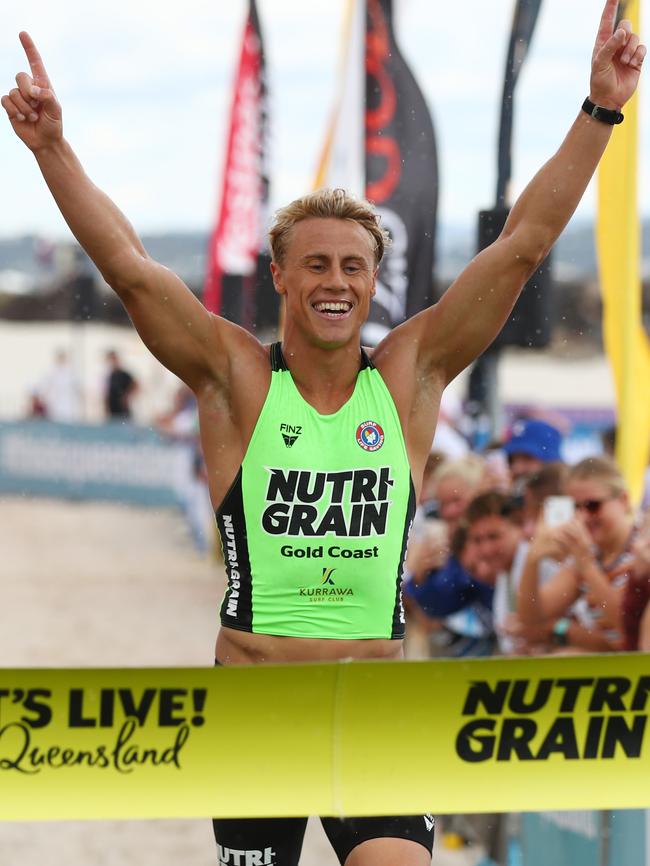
{"x": 558, "y": 509}
{"x": 497, "y": 470}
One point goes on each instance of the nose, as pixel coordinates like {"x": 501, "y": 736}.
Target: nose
{"x": 337, "y": 278}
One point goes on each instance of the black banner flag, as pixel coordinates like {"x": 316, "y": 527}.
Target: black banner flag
{"x": 401, "y": 175}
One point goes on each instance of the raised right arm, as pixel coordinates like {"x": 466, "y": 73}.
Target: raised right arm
{"x": 535, "y": 603}
{"x": 174, "y": 325}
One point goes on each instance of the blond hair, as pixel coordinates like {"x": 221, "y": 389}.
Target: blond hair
{"x": 469, "y": 469}
{"x": 602, "y": 469}
{"x": 327, "y": 204}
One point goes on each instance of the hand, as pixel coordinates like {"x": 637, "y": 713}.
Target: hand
{"x": 496, "y": 475}
{"x": 577, "y": 540}
{"x": 425, "y": 558}
{"x": 550, "y": 543}
{"x": 641, "y": 551}
{"x": 639, "y": 565}
{"x": 527, "y": 637}
{"x": 616, "y": 61}
{"x": 32, "y": 107}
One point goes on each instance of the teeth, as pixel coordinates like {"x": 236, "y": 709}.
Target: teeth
{"x": 333, "y": 307}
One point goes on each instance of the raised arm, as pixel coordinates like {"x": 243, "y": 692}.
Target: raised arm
{"x": 175, "y": 326}
{"x": 535, "y": 603}
{"x": 474, "y": 309}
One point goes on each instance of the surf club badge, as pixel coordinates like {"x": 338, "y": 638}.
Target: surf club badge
{"x": 370, "y": 436}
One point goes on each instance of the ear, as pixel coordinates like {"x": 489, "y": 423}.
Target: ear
{"x": 278, "y": 282}
{"x": 373, "y": 287}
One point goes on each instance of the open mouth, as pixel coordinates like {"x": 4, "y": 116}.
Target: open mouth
{"x": 333, "y": 309}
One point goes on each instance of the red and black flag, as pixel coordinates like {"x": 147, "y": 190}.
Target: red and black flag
{"x": 401, "y": 174}
{"x": 382, "y": 112}
{"x": 238, "y": 236}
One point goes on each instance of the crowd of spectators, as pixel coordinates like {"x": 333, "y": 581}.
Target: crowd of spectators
{"x": 515, "y": 552}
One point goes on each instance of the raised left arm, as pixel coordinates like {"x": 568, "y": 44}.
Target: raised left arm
{"x": 452, "y": 333}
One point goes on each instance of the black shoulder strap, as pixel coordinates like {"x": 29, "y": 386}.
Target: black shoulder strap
{"x": 366, "y": 363}
{"x": 277, "y": 358}
{"x": 278, "y": 363}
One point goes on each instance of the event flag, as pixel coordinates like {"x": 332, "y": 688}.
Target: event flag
{"x": 237, "y": 238}
{"x": 342, "y": 160}
{"x": 618, "y": 240}
{"x": 381, "y": 143}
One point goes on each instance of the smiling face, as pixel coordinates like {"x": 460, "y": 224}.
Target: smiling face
{"x": 454, "y": 494}
{"x": 523, "y": 465}
{"x": 494, "y": 541}
{"x": 328, "y": 279}
{"x": 605, "y": 513}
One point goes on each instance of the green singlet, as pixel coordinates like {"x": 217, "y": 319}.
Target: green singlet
{"x": 315, "y": 525}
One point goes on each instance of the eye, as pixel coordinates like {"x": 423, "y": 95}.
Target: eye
{"x": 351, "y": 269}
{"x": 319, "y": 267}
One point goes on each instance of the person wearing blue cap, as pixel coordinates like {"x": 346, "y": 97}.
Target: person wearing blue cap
{"x": 531, "y": 445}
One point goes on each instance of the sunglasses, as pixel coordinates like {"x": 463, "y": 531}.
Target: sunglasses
{"x": 591, "y": 506}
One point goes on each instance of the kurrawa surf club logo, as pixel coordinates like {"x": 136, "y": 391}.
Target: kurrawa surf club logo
{"x": 327, "y": 577}
{"x": 327, "y": 590}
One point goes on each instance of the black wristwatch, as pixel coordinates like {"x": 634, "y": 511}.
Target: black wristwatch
{"x": 605, "y": 115}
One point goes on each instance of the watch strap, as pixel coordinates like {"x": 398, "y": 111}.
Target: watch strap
{"x": 605, "y": 115}
{"x": 560, "y": 634}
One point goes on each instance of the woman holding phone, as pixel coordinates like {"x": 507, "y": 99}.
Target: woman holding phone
{"x": 581, "y": 605}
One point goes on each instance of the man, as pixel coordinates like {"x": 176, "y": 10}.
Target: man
{"x": 532, "y": 444}
{"x": 60, "y": 391}
{"x": 119, "y": 390}
{"x": 481, "y": 576}
{"x": 343, "y": 434}
{"x": 451, "y": 603}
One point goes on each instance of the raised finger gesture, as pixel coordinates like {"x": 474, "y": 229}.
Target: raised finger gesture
{"x": 32, "y": 107}
{"x": 616, "y": 62}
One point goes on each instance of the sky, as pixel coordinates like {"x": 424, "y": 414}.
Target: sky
{"x": 146, "y": 88}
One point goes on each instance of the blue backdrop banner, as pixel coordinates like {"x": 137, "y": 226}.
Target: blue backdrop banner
{"x": 113, "y": 461}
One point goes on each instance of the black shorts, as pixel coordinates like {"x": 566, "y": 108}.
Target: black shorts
{"x": 278, "y": 841}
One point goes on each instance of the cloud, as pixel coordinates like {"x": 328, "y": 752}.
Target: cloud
{"x": 146, "y": 94}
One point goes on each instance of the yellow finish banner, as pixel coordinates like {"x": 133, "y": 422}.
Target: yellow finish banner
{"x": 349, "y": 738}
{"x": 618, "y": 233}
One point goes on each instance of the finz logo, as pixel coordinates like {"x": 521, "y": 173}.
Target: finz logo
{"x": 327, "y": 576}
{"x": 290, "y": 433}
{"x": 370, "y": 436}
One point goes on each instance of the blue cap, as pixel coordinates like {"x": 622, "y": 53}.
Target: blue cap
{"x": 535, "y": 438}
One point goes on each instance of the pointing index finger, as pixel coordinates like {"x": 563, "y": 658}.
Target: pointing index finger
{"x": 607, "y": 22}
{"x": 35, "y": 61}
